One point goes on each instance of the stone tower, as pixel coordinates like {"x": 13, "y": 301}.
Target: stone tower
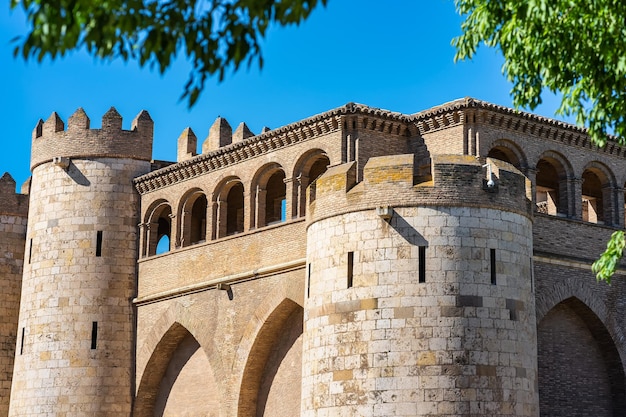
{"x": 74, "y": 354}
{"x": 419, "y": 294}
{"x": 13, "y": 216}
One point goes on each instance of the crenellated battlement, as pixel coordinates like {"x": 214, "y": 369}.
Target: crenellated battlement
{"x": 51, "y": 139}
{"x": 11, "y": 202}
{"x": 393, "y": 181}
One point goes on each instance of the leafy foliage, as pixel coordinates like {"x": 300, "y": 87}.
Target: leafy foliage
{"x": 214, "y": 35}
{"x": 604, "y": 267}
{"x": 574, "y": 47}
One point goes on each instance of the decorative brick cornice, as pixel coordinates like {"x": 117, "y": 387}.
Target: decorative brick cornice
{"x": 323, "y": 123}
{"x": 358, "y": 116}
{"x": 470, "y": 110}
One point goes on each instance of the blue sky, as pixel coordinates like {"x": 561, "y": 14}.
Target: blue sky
{"x": 396, "y": 57}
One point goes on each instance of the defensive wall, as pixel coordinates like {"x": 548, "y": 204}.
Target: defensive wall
{"x": 75, "y": 350}
{"x": 358, "y": 133}
{"x": 338, "y": 265}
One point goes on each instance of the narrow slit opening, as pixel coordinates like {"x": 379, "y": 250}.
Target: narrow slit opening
{"x": 308, "y": 281}
{"x": 350, "y": 269}
{"x": 422, "y": 264}
{"x": 99, "y": 243}
{"x": 94, "y": 334}
{"x": 492, "y": 258}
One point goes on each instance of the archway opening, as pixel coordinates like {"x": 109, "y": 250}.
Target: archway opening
{"x": 275, "y": 198}
{"x": 592, "y": 198}
{"x": 551, "y": 187}
{"x": 160, "y": 230}
{"x": 580, "y": 371}
{"x": 197, "y": 232}
{"x": 273, "y": 371}
{"x": 178, "y": 379}
{"x": 234, "y": 212}
{"x": 505, "y": 154}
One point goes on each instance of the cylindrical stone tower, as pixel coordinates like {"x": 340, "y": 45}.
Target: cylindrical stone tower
{"x": 74, "y": 354}
{"x": 420, "y": 296}
{"x": 13, "y": 216}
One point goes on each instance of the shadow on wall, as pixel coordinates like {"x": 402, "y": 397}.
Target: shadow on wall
{"x": 77, "y": 176}
{"x": 406, "y": 230}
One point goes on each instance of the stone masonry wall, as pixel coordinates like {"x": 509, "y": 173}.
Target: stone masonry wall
{"x": 76, "y": 313}
{"x": 379, "y": 342}
{"x": 13, "y": 216}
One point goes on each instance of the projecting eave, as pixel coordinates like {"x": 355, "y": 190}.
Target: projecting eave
{"x": 472, "y": 111}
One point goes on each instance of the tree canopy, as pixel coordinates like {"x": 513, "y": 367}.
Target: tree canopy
{"x": 572, "y": 47}
{"x": 214, "y": 35}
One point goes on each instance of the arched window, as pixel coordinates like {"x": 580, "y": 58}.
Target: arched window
{"x": 592, "y": 198}
{"x": 275, "y": 198}
{"x": 194, "y": 219}
{"x": 234, "y": 209}
{"x": 309, "y": 168}
{"x": 159, "y": 230}
{"x": 552, "y": 185}
{"x": 505, "y": 154}
{"x": 198, "y": 220}
{"x": 318, "y": 168}
{"x": 229, "y": 207}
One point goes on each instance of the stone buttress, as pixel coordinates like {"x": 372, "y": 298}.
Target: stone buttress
{"x": 419, "y": 297}
{"x": 74, "y": 353}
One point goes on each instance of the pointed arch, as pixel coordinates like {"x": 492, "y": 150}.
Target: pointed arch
{"x": 571, "y": 333}
{"x": 169, "y": 357}
{"x": 277, "y": 323}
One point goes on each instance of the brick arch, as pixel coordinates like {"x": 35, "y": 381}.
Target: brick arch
{"x": 258, "y": 193}
{"x": 222, "y": 212}
{"x": 195, "y": 324}
{"x": 511, "y": 151}
{"x": 571, "y": 331}
{"x": 156, "y": 366}
{"x": 155, "y": 214}
{"x": 549, "y": 297}
{"x": 554, "y": 191}
{"x": 257, "y": 341}
{"x": 185, "y": 217}
{"x": 308, "y": 158}
{"x": 301, "y": 174}
{"x": 598, "y": 186}
{"x": 564, "y": 166}
{"x": 605, "y": 173}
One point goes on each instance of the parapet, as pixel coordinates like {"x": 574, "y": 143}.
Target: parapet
{"x": 221, "y": 134}
{"x": 393, "y": 181}
{"x": 12, "y": 203}
{"x": 51, "y": 140}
